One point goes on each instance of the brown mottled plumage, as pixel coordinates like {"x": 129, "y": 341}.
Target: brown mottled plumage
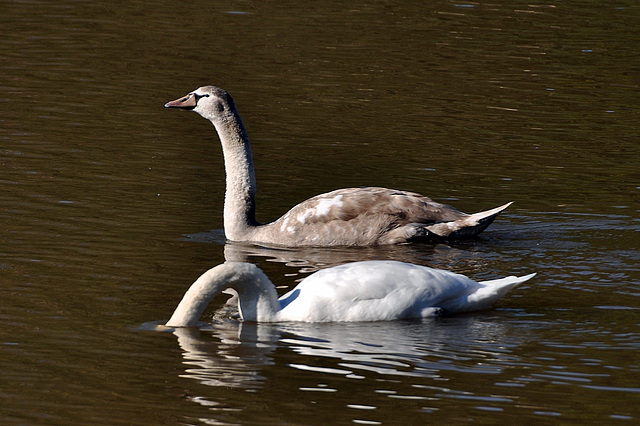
{"x": 348, "y": 217}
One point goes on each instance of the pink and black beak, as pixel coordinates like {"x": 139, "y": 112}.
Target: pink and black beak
{"x": 188, "y": 102}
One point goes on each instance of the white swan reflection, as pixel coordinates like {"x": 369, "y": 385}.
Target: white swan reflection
{"x": 422, "y": 348}
{"x": 233, "y": 354}
{"x": 233, "y": 358}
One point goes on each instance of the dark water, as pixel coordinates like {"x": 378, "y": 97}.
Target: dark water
{"x": 110, "y": 206}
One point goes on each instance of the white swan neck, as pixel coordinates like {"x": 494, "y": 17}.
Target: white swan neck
{"x": 257, "y": 296}
{"x": 196, "y": 299}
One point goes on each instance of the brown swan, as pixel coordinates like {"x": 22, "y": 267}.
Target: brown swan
{"x": 348, "y": 217}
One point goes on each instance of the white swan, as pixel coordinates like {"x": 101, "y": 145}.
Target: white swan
{"x": 353, "y": 216}
{"x": 374, "y": 290}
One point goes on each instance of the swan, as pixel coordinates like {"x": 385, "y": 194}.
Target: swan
{"x": 373, "y": 290}
{"x": 344, "y": 217}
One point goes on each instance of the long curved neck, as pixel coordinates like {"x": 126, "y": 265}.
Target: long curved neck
{"x": 258, "y": 299}
{"x": 240, "y": 195}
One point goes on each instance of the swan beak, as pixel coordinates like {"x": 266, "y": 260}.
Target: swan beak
{"x": 186, "y": 102}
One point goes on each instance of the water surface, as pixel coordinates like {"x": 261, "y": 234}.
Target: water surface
{"x": 111, "y": 207}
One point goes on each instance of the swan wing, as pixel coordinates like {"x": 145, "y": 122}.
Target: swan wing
{"x": 373, "y": 215}
{"x": 360, "y": 216}
{"x": 372, "y": 291}
{"x": 349, "y": 203}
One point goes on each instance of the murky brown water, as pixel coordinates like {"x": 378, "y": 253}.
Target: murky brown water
{"x": 111, "y": 206}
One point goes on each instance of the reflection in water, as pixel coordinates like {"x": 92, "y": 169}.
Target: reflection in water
{"x": 310, "y": 259}
{"x": 495, "y": 362}
{"x": 425, "y": 348}
{"x": 234, "y": 359}
{"x": 457, "y": 257}
{"x": 405, "y": 348}
{"x": 473, "y": 102}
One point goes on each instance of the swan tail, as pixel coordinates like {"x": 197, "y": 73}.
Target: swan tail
{"x": 493, "y": 291}
{"x": 468, "y": 226}
{"x": 510, "y": 282}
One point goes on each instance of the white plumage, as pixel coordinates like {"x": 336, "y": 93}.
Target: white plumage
{"x": 359, "y": 291}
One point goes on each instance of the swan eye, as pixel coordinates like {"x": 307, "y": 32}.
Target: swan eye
{"x": 198, "y": 97}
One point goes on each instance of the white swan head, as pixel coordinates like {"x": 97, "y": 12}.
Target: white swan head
{"x": 211, "y": 102}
